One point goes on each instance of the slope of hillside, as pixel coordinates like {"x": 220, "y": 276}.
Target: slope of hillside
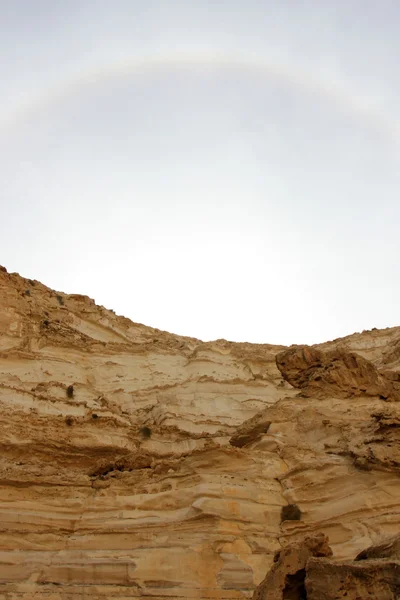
{"x": 138, "y": 463}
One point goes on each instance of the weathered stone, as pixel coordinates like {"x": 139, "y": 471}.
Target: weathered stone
{"x": 250, "y": 431}
{"x": 135, "y": 462}
{"x": 304, "y": 571}
{"x": 334, "y": 372}
{"x": 377, "y": 579}
{"x": 286, "y": 579}
{"x": 388, "y": 548}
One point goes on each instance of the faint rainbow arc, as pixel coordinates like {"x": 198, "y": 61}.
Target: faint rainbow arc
{"x": 279, "y": 72}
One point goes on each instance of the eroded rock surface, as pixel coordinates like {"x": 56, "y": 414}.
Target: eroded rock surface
{"x": 306, "y": 571}
{"x": 335, "y": 372}
{"x": 390, "y": 548}
{"x": 286, "y": 579}
{"x": 138, "y": 463}
{"x": 375, "y": 579}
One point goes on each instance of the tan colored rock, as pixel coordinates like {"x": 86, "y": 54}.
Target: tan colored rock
{"x": 375, "y": 575}
{"x": 164, "y": 469}
{"x": 388, "y": 548}
{"x": 286, "y": 579}
{"x": 335, "y": 372}
{"x": 251, "y": 430}
{"x": 327, "y": 580}
{"x": 304, "y": 570}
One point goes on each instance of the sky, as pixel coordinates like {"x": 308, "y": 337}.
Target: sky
{"x": 214, "y": 168}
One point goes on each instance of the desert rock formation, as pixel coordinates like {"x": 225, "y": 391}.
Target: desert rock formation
{"x": 305, "y": 570}
{"x": 287, "y": 576}
{"x": 137, "y": 463}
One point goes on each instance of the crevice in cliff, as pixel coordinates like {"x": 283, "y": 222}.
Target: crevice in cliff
{"x": 295, "y": 588}
{"x": 102, "y": 472}
{"x": 121, "y": 464}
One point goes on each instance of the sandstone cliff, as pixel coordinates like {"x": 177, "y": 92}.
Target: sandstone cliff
{"x": 138, "y": 463}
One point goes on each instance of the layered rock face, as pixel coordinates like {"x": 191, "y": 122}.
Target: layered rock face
{"x": 136, "y": 463}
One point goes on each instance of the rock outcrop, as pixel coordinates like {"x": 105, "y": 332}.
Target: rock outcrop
{"x": 377, "y": 579}
{"x": 286, "y": 579}
{"x": 390, "y": 548}
{"x": 305, "y": 571}
{"x": 335, "y": 373}
{"x": 138, "y": 463}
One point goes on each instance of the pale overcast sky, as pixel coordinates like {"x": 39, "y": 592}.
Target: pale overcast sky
{"x": 221, "y": 169}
